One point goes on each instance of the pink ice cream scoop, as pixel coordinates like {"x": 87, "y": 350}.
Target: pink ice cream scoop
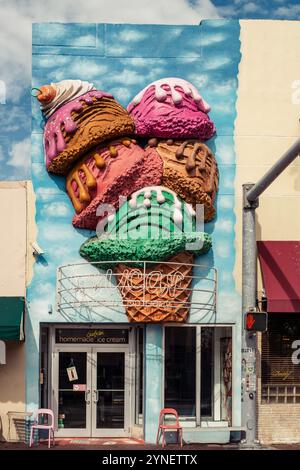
{"x": 110, "y": 170}
{"x": 171, "y": 108}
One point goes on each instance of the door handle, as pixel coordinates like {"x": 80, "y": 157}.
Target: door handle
{"x": 87, "y": 392}
{"x": 96, "y": 396}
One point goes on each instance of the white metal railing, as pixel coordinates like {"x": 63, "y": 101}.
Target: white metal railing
{"x": 89, "y": 285}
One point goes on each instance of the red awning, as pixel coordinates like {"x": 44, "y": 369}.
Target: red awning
{"x": 280, "y": 266}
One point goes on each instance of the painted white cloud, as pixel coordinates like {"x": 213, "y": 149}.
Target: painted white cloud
{"x": 216, "y": 62}
{"x": 225, "y": 152}
{"x": 85, "y": 68}
{"x": 226, "y": 202}
{"x": 47, "y": 193}
{"x": 58, "y": 232}
{"x": 223, "y": 249}
{"x": 86, "y": 40}
{"x": 198, "y": 80}
{"x": 210, "y": 39}
{"x": 46, "y": 61}
{"x": 55, "y": 209}
{"x": 131, "y": 35}
{"x": 225, "y": 225}
{"x": 121, "y": 93}
{"x": 230, "y": 304}
{"x": 126, "y": 77}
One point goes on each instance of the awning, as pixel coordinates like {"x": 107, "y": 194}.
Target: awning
{"x": 11, "y": 318}
{"x": 280, "y": 266}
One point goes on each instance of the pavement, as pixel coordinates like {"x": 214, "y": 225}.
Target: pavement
{"x": 130, "y": 444}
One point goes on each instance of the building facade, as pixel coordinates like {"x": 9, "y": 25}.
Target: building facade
{"x": 102, "y": 374}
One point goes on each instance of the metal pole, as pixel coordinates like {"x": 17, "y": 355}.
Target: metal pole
{"x": 249, "y": 275}
{"x": 251, "y": 193}
{"x": 287, "y": 158}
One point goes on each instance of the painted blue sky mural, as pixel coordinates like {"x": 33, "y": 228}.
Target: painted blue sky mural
{"x": 15, "y": 54}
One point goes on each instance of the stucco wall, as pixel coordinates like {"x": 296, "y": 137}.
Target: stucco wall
{"x": 12, "y": 388}
{"x": 13, "y": 238}
{"x": 267, "y": 124}
{"x": 13, "y": 249}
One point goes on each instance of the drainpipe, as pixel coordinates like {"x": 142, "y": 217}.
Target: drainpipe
{"x": 251, "y": 193}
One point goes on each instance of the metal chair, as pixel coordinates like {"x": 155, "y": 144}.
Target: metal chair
{"x": 50, "y": 426}
{"x": 162, "y": 426}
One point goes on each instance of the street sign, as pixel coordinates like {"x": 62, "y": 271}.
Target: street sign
{"x": 256, "y": 321}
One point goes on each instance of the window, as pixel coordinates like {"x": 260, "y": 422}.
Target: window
{"x": 198, "y": 371}
{"x": 180, "y": 370}
{"x": 280, "y": 374}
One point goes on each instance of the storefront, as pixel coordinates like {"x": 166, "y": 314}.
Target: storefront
{"x": 279, "y": 380}
{"x": 93, "y": 377}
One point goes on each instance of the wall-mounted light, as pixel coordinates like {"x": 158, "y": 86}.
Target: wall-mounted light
{"x": 50, "y": 309}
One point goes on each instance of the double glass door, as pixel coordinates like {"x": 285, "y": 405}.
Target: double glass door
{"x": 91, "y": 391}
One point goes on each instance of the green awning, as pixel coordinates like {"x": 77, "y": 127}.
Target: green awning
{"x": 12, "y": 318}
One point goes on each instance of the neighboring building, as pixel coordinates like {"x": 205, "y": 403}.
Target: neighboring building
{"x": 15, "y": 236}
{"x": 268, "y": 110}
{"x": 126, "y": 372}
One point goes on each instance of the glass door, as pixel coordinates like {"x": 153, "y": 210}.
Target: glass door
{"x": 110, "y": 393}
{"x": 72, "y": 392}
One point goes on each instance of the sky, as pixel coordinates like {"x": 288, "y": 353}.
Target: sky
{"x": 16, "y": 17}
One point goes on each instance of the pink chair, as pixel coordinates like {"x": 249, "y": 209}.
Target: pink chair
{"x": 162, "y": 426}
{"x": 50, "y": 426}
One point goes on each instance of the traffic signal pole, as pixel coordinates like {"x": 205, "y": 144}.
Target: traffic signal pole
{"x": 251, "y": 193}
{"x": 249, "y": 338}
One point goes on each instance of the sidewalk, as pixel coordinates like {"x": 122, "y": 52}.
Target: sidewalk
{"x": 106, "y": 444}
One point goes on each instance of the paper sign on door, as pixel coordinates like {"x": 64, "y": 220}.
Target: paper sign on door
{"x": 72, "y": 373}
{"x": 79, "y": 387}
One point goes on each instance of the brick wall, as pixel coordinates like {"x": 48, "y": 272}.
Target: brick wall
{"x": 277, "y": 423}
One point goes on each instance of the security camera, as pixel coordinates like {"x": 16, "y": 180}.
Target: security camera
{"x": 37, "y": 250}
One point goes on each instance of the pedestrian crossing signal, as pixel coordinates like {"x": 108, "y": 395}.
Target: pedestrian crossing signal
{"x": 256, "y": 321}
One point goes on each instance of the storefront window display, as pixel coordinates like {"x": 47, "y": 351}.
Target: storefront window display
{"x": 198, "y": 373}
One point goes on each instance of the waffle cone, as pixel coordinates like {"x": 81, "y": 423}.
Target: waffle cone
{"x": 166, "y": 294}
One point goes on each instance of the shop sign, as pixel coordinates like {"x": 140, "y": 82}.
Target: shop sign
{"x": 91, "y": 336}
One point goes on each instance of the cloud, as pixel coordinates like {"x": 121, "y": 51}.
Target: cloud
{"x": 216, "y": 62}
{"x": 212, "y": 39}
{"x": 225, "y": 202}
{"x": 126, "y": 77}
{"x": 19, "y": 155}
{"x": 13, "y": 119}
{"x": 223, "y": 249}
{"x": 288, "y": 11}
{"x": 1, "y": 154}
{"x": 55, "y": 209}
{"x": 225, "y": 225}
{"x": 225, "y": 152}
{"x": 16, "y": 19}
{"x": 131, "y": 35}
{"x": 250, "y": 7}
{"x": 47, "y": 193}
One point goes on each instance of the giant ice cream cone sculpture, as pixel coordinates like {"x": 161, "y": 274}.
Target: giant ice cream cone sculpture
{"x": 153, "y": 226}
{"x": 92, "y": 139}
